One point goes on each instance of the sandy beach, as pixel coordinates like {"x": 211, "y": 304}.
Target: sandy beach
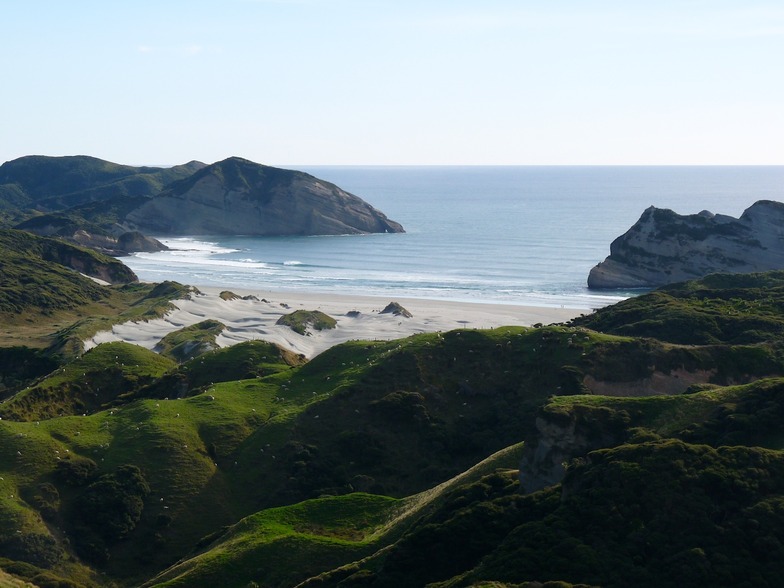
{"x": 358, "y": 317}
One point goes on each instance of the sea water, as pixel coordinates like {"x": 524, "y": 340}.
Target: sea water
{"x": 517, "y": 235}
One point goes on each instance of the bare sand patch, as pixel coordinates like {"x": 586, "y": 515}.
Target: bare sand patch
{"x": 358, "y": 317}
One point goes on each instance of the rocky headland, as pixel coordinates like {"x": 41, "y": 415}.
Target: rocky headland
{"x": 664, "y": 247}
{"x": 110, "y": 207}
{"x": 239, "y": 197}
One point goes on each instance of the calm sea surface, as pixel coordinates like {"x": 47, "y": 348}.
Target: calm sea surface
{"x": 521, "y": 235}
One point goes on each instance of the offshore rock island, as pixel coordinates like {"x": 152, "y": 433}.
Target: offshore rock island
{"x": 664, "y": 247}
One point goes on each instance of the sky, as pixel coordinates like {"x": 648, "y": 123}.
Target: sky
{"x": 395, "y": 82}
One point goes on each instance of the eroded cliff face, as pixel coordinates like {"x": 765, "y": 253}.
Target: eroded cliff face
{"x": 103, "y": 268}
{"x": 240, "y": 197}
{"x": 564, "y": 435}
{"x": 664, "y": 247}
{"x": 657, "y": 384}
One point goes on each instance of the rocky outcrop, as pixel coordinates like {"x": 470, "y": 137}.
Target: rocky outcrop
{"x": 664, "y": 247}
{"x": 92, "y": 236}
{"x": 239, "y": 197}
{"x": 562, "y": 435}
{"x": 125, "y": 244}
{"x": 134, "y": 241}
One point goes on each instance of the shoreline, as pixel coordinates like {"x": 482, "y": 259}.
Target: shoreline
{"x": 255, "y": 318}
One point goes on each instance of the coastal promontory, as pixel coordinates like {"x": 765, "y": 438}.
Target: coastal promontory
{"x": 664, "y": 247}
{"x": 111, "y": 208}
{"x": 239, "y": 197}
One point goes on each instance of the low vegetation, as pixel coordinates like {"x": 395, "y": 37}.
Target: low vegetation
{"x": 97, "y": 379}
{"x": 191, "y": 341}
{"x": 400, "y": 463}
{"x": 46, "y": 302}
{"x": 301, "y": 321}
{"x": 720, "y": 309}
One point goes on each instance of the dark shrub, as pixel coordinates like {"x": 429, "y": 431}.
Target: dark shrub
{"x": 76, "y": 471}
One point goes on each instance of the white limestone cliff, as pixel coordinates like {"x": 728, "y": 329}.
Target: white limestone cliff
{"x": 664, "y": 247}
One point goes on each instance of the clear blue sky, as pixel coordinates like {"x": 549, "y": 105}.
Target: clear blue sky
{"x": 288, "y": 82}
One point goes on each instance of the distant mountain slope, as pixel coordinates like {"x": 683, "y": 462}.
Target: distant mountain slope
{"x": 237, "y": 196}
{"x": 94, "y": 202}
{"x": 57, "y": 183}
{"x": 664, "y": 247}
{"x": 81, "y": 199}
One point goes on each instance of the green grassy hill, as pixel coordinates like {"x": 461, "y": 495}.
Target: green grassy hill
{"x": 80, "y": 199}
{"x": 604, "y": 525}
{"x": 367, "y": 465}
{"x": 43, "y": 275}
{"x": 734, "y": 415}
{"x": 661, "y": 513}
{"x": 97, "y": 379}
{"x": 190, "y": 342}
{"x": 271, "y": 546}
{"x": 243, "y": 361}
{"x": 57, "y": 183}
{"x": 46, "y": 302}
{"x": 722, "y": 308}
{"x": 411, "y": 414}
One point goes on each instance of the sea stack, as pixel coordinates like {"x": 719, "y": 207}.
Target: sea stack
{"x": 239, "y": 197}
{"x": 664, "y": 247}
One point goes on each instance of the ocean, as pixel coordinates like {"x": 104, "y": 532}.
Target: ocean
{"x": 515, "y": 235}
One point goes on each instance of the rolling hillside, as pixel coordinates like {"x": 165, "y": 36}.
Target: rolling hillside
{"x": 498, "y": 457}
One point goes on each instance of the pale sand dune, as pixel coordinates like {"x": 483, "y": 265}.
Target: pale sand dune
{"x": 250, "y": 319}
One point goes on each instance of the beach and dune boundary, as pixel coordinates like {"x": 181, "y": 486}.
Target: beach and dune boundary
{"x": 253, "y": 314}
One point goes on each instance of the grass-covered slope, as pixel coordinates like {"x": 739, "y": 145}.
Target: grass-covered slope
{"x": 287, "y": 545}
{"x": 301, "y": 321}
{"x": 56, "y": 183}
{"x": 722, "y": 308}
{"x": 243, "y": 445}
{"x": 735, "y": 415}
{"x": 390, "y": 418}
{"x": 658, "y": 514}
{"x": 42, "y": 275}
{"x": 243, "y": 361}
{"x": 54, "y": 310}
{"x": 248, "y": 464}
{"x": 283, "y": 546}
{"x": 190, "y": 342}
{"x": 641, "y": 514}
{"x": 132, "y": 302}
{"x": 20, "y": 365}
{"x": 98, "y": 378}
